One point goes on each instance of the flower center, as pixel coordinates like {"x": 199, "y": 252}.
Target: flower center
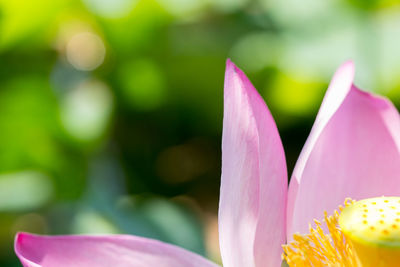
{"x": 373, "y": 227}
{"x": 366, "y": 233}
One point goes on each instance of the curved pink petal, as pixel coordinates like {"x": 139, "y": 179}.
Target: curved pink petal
{"x": 254, "y": 179}
{"x": 111, "y": 250}
{"x": 353, "y": 151}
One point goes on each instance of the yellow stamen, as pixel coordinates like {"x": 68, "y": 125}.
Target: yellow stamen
{"x": 366, "y": 233}
{"x": 320, "y": 249}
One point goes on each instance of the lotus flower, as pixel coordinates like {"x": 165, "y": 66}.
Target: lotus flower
{"x": 353, "y": 151}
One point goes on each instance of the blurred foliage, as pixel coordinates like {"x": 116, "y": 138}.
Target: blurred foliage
{"x": 111, "y": 110}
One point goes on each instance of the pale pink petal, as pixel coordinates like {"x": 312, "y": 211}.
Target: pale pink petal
{"x": 254, "y": 179}
{"x": 353, "y": 151}
{"x": 102, "y": 251}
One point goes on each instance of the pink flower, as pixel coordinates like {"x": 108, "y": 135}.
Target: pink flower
{"x": 353, "y": 151}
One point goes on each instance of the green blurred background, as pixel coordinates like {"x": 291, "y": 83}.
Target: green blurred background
{"x": 111, "y": 111}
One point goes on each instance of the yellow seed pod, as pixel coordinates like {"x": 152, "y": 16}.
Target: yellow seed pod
{"x": 373, "y": 227}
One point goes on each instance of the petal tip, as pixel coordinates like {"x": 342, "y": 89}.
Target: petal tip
{"x": 230, "y": 66}
{"x": 349, "y": 62}
{"x": 18, "y": 244}
{"x": 347, "y": 66}
{"x": 233, "y": 75}
{"x": 18, "y": 237}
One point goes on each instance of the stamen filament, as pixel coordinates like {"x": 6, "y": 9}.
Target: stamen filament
{"x": 363, "y": 233}
{"x": 320, "y": 249}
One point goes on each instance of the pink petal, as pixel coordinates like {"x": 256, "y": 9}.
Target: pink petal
{"x": 111, "y": 250}
{"x": 353, "y": 151}
{"x": 254, "y": 179}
